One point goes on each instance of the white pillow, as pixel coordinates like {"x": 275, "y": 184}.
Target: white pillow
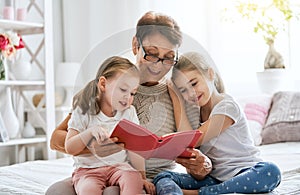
{"x": 256, "y": 109}
{"x": 255, "y": 130}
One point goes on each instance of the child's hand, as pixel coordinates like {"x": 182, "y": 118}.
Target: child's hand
{"x": 106, "y": 148}
{"x": 99, "y": 133}
{"x": 198, "y": 166}
{"x": 149, "y": 187}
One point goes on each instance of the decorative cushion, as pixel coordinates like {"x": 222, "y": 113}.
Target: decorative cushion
{"x": 256, "y": 109}
{"x": 283, "y": 122}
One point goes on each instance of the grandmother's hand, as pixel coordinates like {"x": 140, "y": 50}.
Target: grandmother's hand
{"x": 198, "y": 165}
{"x": 106, "y": 148}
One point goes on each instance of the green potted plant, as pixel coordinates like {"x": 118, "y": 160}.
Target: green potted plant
{"x": 268, "y": 18}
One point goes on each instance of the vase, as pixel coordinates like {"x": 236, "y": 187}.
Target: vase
{"x": 29, "y": 130}
{"x": 3, "y": 68}
{"x": 10, "y": 119}
{"x": 20, "y": 67}
{"x": 273, "y": 58}
{"x": 3, "y": 131}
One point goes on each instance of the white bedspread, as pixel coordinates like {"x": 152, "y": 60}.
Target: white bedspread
{"x": 35, "y": 177}
{"x": 287, "y": 157}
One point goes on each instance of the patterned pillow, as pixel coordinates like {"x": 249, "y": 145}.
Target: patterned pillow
{"x": 256, "y": 115}
{"x": 283, "y": 122}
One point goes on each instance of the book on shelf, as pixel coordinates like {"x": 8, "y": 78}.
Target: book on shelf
{"x": 147, "y": 144}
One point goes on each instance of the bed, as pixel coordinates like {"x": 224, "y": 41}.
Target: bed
{"x": 34, "y": 177}
{"x": 280, "y": 144}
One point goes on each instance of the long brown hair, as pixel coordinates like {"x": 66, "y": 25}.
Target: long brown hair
{"x": 152, "y": 22}
{"x": 88, "y": 99}
{"x": 191, "y": 61}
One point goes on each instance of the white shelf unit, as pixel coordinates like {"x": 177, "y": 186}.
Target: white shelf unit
{"x": 44, "y": 28}
{"x": 22, "y": 141}
{"x": 23, "y": 145}
{"x": 24, "y": 28}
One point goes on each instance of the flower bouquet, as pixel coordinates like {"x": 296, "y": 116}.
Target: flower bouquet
{"x": 10, "y": 42}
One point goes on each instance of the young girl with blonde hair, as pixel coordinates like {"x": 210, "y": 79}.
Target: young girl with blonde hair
{"x": 97, "y": 108}
{"x": 226, "y": 140}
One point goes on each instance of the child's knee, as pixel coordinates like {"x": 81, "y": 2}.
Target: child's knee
{"x": 272, "y": 174}
{"x": 161, "y": 175}
{"x": 133, "y": 176}
{"x": 275, "y": 173}
{"x": 271, "y": 169}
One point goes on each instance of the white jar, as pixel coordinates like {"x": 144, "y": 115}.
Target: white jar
{"x": 21, "y": 69}
{"x": 28, "y": 131}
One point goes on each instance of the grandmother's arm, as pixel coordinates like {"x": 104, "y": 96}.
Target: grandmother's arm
{"x": 199, "y": 165}
{"x": 108, "y": 147}
{"x": 58, "y": 137}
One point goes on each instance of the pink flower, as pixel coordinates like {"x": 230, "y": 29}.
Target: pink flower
{"x": 10, "y": 42}
{"x": 21, "y": 44}
{"x": 9, "y": 52}
{"x": 3, "y": 42}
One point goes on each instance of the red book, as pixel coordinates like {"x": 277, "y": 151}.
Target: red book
{"x": 145, "y": 143}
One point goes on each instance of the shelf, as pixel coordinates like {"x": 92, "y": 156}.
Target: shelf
{"x": 22, "y": 27}
{"x": 63, "y": 108}
{"x": 57, "y": 109}
{"x": 22, "y": 83}
{"x": 25, "y": 85}
{"x": 24, "y": 141}
{"x": 39, "y": 48}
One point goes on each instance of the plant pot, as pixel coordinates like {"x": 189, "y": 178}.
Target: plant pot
{"x": 273, "y": 80}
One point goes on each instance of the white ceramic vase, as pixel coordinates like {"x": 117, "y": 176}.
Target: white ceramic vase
{"x": 21, "y": 69}
{"x": 3, "y": 131}
{"x": 28, "y": 131}
{"x": 9, "y": 116}
{"x": 3, "y": 68}
{"x": 273, "y": 58}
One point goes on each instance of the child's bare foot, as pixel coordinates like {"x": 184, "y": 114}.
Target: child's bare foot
{"x": 190, "y": 192}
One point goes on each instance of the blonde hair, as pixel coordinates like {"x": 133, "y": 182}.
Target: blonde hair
{"x": 88, "y": 99}
{"x": 191, "y": 61}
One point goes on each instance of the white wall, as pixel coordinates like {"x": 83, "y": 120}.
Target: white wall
{"x": 100, "y": 19}
{"x": 237, "y": 51}
{"x": 58, "y": 32}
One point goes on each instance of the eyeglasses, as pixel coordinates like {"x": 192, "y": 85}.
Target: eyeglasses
{"x": 155, "y": 59}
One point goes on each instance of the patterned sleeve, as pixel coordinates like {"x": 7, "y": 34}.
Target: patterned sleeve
{"x": 78, "y": 121}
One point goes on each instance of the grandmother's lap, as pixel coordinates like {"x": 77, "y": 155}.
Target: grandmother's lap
{"x": 65, "y": 187}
